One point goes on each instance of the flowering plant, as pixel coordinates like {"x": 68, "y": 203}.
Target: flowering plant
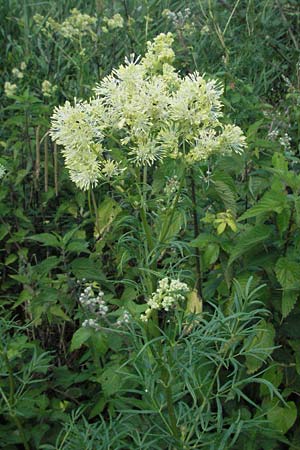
{"x": 146, "y": 118}
{"x": 150, "y": 113}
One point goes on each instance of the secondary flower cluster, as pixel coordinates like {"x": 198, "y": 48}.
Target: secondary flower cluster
{"x": 93, "y": 305}
{"x": 168, "y": 294}
{"x": 147, "y": 112}
{"x": 73, "y": 27}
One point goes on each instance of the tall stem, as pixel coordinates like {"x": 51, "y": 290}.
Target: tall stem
{"x": 196, "y": 233}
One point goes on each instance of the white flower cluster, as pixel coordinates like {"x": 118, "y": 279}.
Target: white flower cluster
{"x": 48, "y": 89}
{"x": 150, "y": 113}
{"x": 177, "y": 18}
{"x": 171, "y": 186}
{"x": 2, "y": 171}
{"x": 168, "y": 294}
{"x": 116, "y": 21}
{"x": 9, "y": 89}
{"x": 123, "y": 319}
{"x": 94, "y": 305}
{"x": 73, "y": 27}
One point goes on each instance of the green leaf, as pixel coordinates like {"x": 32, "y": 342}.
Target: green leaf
{"x": 260, "y": 346}
{"x": 106, "y": 214}
{"x": 211, "y": 254}
{"x": 57, "y": 311}
{"x": 288, "y": 272}
{"x": 282, "y": 418}
{"x": 80, "y": 337}
{"x": 289, "y": 298}
{"x": 44, "y": 268}
{"x": 226, "y": 195}
{"x": 271, "y": 202}
{"x": 203, "y": 239}
{"x": 47, "y": 239}
{"x": 249, "y": 239}
{"x": 86, "y": 268}
{"x": 111, "y": 381}
{"x": 4, "y": 229}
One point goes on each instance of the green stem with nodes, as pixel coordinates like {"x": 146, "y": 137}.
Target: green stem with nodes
{"x": 11, "y": 400}
{"x": 93, "y": 209}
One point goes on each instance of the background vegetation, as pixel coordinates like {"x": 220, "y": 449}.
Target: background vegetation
{"x": 239, "y": 221}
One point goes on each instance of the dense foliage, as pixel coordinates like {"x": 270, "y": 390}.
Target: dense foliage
{"x": 150, "y": 301}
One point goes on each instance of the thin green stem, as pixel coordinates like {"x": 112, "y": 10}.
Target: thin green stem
{"x": 11, "y": 401}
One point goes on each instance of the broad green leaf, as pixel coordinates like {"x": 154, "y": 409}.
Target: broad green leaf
{"x": 289, "y": 298}
{"x": 57, "y": 311}
{"x": 260, "y": 345}
{"x": 106, "y": 214}
{"x": 249, "y": 239}
{"x": 111, "y": 381}
{"x": 44, "y": 268}
{"x": 4, "y": 229}
{"x": 211, "y": 254}
{"x": 288, "y": 272}
{"x": 226, "y": 195}
{"x": 80, "y": 337}
{"x": 274, "y": 374}
{"x": 282, "y": 418}
{"x": 271, "y": 202}
{"x": 86, "y": 268}
{"x": 203, "y": 239}
{"x": 47, "y": 239}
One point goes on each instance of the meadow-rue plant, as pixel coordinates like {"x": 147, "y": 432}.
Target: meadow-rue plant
{"x": 150, "y": 112}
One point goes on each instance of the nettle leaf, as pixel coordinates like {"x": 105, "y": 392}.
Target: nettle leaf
{"x": 289, "y": 299}
{"x": 48, "y": 239}
{"x": 282, "y": 418}
{"x": 44, "y": 268}
{"x": 260, "y": 345}
{"x": 288, "y": 272}
{"x": 270, "y": 202}
{"x": 249, "y": 239}
{"x": 226, "y": 195}
{"x": 86, "y": 268}
{"x": 80, "y": 337}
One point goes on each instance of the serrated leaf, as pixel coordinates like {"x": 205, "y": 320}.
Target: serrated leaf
{"x": 57, "y": 311}
{"x": 47, "y": 239}
{"x": 288, "y": 272}
{"x": 226, "y": 195}
{"x": 271, "y": 202}
{"x": 249, "y": 239}
{"x": 289, "y": 298}
{"x": 80, "y": 337}
{"x": 86, "y": 268}
{"x": 260, "y": 345}
{"x": 44, "y": 267}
